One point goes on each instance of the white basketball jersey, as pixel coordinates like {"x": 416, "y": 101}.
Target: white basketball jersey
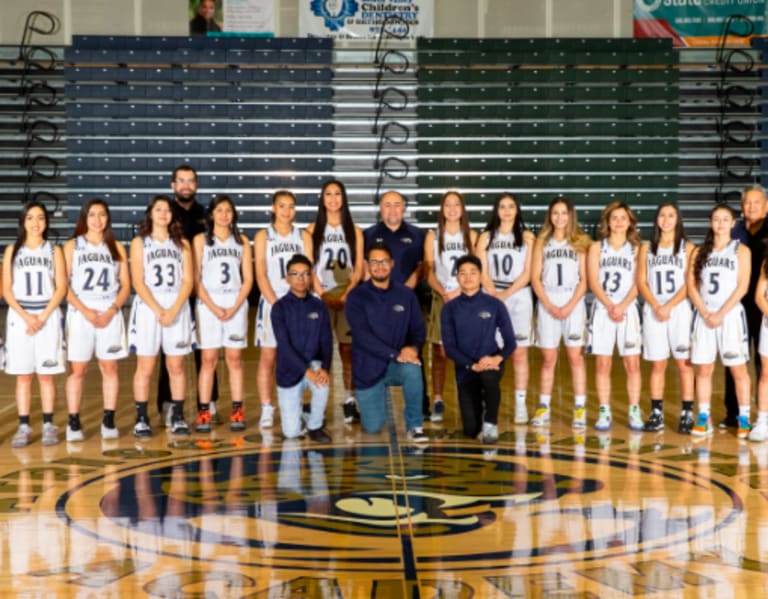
{"x": 617, "y": 270}
{"x": 33, "y": 276}
{"x": 665, "y": 271}
{"x": 95, "y": 274}
{"x": 334, "y": 260}
{"x": 445, "y": 261}
{"x": 560, "y": 267}
{"x": 279, "y": 251}
{"x": 221, "y": 263}
{"x": 719, "y": 276}
{"x": 163, "y": 266}
{"x": 505, "y": 261}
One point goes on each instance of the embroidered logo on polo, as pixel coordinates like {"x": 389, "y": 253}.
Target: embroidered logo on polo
{"x": 313, "y": 315}
{"x": 398, "y": 308}
{"x": 485, "y": 315}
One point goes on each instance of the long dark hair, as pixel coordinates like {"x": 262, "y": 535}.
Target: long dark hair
{"x": 209, "y": 225}
{"x": 495, "y": 221}
{"x": 280, "y": 193}
{"x": 175, "y": 231}
{"x": 706, "y": 247}
{"x": 463, "y": 223}
{"x": 347, "y": 225}
{"x": 656, "y": 232}
{"x": 21, "y": 232}
{"x": 81, "y": 227}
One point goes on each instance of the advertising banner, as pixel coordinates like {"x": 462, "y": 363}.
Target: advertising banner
{"x": 249, "y": 16}
{"x": 699, "y": 23}
{"x": 358, "y": 19}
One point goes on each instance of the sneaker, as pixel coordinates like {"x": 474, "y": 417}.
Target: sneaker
{"x": 50, "y": 434}
{"x": 351, "y": 413}
{"x": 179, "y": 426}
{"x": 203, "y": 422}
{"x": 521, "y": 413}
{"x": 141, "y": 429}
{"x": 728, "y": 422}
{"x": 319, "y": 435}
{"x": 686, "y": 422}
{"x": 604, "y": 421}
{"x": 703, "y": 426}
{"x": 22, "y": 437}
{"x": 759, "y": 432}
{"x": 744, "y": 427}
{"x": 167, "y": 414}
{"x": 579, "y": 418}
{"x": 541, "y": 417}
{"x": 214, "y": 413}
{"x": 490, "y": 433}
{"x": 416, "y": 435}
{"x": 237, "y": 419}
{"x": 267, "y": 416}
{"x": 74, "y": 435}
{"x": 635, "y": 418}
{"x": 108, "y": 432}
{"x": 438, "y": 411}
{"x": 655, "y": 421}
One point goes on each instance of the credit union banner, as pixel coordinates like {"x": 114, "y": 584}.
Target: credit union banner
{"x": 358, "y": 19}
{"x": 698, "y": 23}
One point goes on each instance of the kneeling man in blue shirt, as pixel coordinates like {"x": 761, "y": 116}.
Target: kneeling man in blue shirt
{"x": 302, "y": 329}
{"x": 388, "y": 331}
{"x": 471, "y": 324}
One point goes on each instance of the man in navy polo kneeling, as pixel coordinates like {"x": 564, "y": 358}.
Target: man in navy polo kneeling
{"x": 472, "y": 325}
{"x": 302, "y": 329}
{"x": 388, "y": 331}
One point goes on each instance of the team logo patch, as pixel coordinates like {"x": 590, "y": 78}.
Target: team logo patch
{"x": 333, "y": 12}
{"x": 398, "y": 308}
{"x": 114, "y": 349}
{"x": 406, "y": 240}
{"x": 484, "y": 315}
{"x": 235, "y": 337}
{"x": 50, "y": 363}
{"x": 182, "y": 344}
{"x": 313, "y": 315}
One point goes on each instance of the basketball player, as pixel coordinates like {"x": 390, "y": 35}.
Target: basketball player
{"x": 34, "y": 284}
{"x": 442, "y": 248}
{"x": 504, "y": 249}
{"x": 473, "y": 323}
{"x": 661, "y": 269}
{"x": 615, "y": 319}
{"x": 224, "y": 275}
{"x": 760, "y": 430}
{"x": 559, "y": 279}
{"x": 337, "y": 245}
{"x": 717, "y": 280}
{"x": 162, "y": 275}
{"x": 273, "y": 247}
{"x": 99, "y": 285}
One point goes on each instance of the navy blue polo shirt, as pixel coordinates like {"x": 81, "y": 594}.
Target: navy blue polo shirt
{"x": 406, "y": 244}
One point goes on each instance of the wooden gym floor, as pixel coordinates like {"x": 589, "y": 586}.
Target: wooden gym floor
{"x": 543, "y": 513}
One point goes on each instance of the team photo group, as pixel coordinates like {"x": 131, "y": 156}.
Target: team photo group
{"x": 495, "y": 294}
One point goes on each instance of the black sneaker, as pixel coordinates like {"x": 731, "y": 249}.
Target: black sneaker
{"x": 351, "y": 413}
{"x": 728, "y": 422}
{"x": 141, "y": 429}
{"x": 655, "y": 421}
{"x": 319, "y": 435}
{"x": 686, "y": 422}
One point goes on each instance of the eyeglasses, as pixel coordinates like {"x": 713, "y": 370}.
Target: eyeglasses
{"x": 378, "y": 262}
{"x": 298, "y": 274}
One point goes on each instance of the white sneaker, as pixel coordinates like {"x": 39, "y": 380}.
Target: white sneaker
{"x": 438, "y": 411}
{"x": 490, "y": 433}
{"x": 74, "y": 435}
{"x": 267, "y": 419}
{"x": 636, "y": 419}
{"x": 416, "y": 435}
{"x": 521, "y": 413}
{"x": 604, "y": 421}
{"x": 541, "y": 418}
{"x": 22, "y": 437}
{"x": 759, "y": 432}
{"x": 579, "y": 417}
{"x": 108, "y": 433}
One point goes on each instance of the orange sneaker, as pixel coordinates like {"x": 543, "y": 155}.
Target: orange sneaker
{"x": 237, "y": 420}
{"x": 203, "y": 422}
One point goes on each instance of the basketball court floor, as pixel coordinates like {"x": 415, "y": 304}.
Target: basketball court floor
{"x": 543, "y": 513}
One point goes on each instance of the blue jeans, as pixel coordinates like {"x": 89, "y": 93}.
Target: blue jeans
{"x": 372, "y": 401}
{"x": 289, "y": 400}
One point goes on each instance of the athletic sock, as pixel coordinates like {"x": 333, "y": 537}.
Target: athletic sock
{"x": 762, "y": 417}
{"x": 744, "y": 411}
{"x": 108, "y": 419}
{"x": 141, "y": 411}
{"x": 520, "y": 396}
{"x": 178, "y": 408}
{"x": 656, "y": 404}
{"x": 237, "y": 404}
{"x": 205, "y": 407}
{"x": 579, "y": 401}
{"x": 24, "y": 419}
{"x": 74, "y": 422}
{"x": 688, "y": 406}
{"x": 48, "y": 418}
{"x": 544, "y": 400}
